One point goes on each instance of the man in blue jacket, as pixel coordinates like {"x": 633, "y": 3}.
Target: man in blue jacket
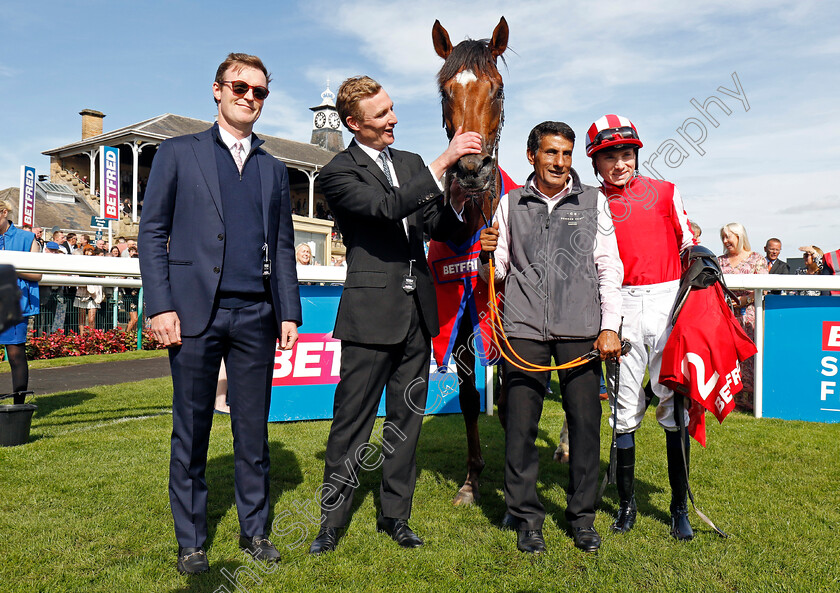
{"x": 219, "y": 279}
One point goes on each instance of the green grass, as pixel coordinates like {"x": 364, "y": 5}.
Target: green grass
{"x": 49, "y": 363}
{"x": 85, "y": 508}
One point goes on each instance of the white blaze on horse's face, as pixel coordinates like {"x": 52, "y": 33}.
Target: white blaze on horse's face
{"x": 474, "y": 104}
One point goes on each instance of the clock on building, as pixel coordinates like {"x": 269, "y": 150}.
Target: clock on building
{"x": 335, "y": 121}
{"x": 321, "y": 119}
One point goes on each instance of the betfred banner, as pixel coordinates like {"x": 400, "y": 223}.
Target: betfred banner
{"x": 27, "y": 196}
{"x": 109, "y": 182}
{"x": 304, "y": 379}
{"x": 802, "y": 358}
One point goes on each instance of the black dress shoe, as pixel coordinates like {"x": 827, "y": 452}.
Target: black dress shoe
{"x": 530, "y": 541}
{"x": 259, "y": 548}
{"x": 587, "y": 539}
{"x": 326, "y": 541}
{"x": 192, "y": 560}
{"x": 509, "y": 523}
{"x": 399, "y": 531}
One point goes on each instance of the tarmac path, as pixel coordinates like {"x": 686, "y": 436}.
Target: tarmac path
{"x": 83, "y": 376}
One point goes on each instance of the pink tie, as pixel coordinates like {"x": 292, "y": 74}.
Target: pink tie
{"x": 237, "y": 155}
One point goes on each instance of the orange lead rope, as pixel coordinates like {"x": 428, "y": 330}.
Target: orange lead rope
{"x": 497, "y": 329}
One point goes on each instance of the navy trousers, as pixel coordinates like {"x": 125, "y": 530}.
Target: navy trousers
{"x": 246, "y": 339}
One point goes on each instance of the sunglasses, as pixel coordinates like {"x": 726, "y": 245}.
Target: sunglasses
{"x": 240, "y": 89}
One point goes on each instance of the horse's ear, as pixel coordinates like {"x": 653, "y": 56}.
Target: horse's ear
{"x": 498, "y": 44}
{"x": 440, "y": 39}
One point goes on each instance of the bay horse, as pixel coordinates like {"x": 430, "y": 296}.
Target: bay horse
{"x": 472, "y": 98}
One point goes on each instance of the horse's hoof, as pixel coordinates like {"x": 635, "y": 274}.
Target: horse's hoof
{"x": 561, "y": 456}
{"x": 464, "y": 497}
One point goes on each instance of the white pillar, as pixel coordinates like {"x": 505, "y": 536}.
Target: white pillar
{"x": 135, "y": 164}
{"x": 311, "y": 176}
{"x": 92, "y": 179}
{"x": 758, "y": 386}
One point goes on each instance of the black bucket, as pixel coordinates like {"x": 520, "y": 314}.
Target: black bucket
{"x": 15, "y": 422}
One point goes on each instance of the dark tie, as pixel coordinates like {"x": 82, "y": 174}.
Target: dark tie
{"x": 383, "y": 163}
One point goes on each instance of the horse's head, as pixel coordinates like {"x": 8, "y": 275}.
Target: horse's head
{"x": 472, "y": 96}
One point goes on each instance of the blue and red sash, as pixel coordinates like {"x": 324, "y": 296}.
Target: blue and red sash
{"x": 461, "y": 292}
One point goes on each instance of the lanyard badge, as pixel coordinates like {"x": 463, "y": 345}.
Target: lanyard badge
{"x": 409, "y": 281}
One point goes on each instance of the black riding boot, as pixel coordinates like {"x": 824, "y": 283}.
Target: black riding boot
{"x": 625, "y": 476}
{"x": 680, "y": 527}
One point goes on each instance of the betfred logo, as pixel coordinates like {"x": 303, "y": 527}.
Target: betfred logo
{"x": 831, "y": 336}
{"x": 314, "y": 360}
{"x": 452, "y": 269}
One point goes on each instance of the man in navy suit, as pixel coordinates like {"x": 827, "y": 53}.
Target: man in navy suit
{"x": 219, "y": 278}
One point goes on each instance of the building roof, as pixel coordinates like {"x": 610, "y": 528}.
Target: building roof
{"x": 68, "y": 216}
{"x": 157, "y": 129}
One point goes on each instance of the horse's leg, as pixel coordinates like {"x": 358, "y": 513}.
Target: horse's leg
{"x": 501, "y": 398}
{"x": 561, "y": 455}
{"x": 468, "y": 397}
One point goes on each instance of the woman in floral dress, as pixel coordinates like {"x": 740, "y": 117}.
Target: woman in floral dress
{"x": 740, "y": 259}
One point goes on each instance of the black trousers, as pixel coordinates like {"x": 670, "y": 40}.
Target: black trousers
{"x": 403, "y": 371}
{"x": 526, "y": 392}
{"x": 246, "y": 339}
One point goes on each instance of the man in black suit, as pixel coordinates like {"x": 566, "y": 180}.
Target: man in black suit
{"x": 772, "y": 249}
{"x": 219, "y": 277}
{"x": 383, "y": 201}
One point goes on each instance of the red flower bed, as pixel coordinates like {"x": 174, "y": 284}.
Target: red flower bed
{"x": 97, "y": 341}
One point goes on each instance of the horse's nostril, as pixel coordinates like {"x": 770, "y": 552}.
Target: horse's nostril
{"x": 470, "y": 164}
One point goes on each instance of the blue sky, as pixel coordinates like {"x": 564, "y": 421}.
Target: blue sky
{"x": 772, "y": 167}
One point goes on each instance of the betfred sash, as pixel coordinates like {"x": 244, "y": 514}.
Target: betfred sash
{"x": 462, "y": 295}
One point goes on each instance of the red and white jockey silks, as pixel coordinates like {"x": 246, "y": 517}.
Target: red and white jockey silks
{"x": 461, "y": 292}
{"x": 701, "y": 358}
{"x": 651, "y": 227}
{"x": 611, "y": 130}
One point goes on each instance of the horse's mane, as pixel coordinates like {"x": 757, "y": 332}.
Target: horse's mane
{"x": 470, "y": 54}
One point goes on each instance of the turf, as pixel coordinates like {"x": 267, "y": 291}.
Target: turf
{"x": 85, "y": 508}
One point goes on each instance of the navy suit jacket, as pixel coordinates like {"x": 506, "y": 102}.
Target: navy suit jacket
{"x": 182, "y": 232}
{"x": 374, "y": 308}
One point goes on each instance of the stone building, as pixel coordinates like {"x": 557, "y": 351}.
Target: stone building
{"x": 76, "y": 166}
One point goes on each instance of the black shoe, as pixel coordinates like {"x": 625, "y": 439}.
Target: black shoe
{"x": 626, "y": 517}
{"x": 530, "y": 541}
{"x": 259, "y": 548}
{"x": 587, "y": 539}
{"x": 680, "y": 527}
{"x": 326, "y": 541}
{"x": 192, "y": 560}
{"x": 399, "y": 531}
{"x": 509, "y": 523}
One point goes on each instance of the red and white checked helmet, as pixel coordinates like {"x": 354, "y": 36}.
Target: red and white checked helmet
{"x": 611, "y": 130}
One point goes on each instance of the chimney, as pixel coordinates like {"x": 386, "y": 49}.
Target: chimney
{"x": 91, "y": 123}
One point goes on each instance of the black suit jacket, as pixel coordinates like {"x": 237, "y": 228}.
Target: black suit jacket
{"x": 182, "y": 232}
{"x": 374, "y": 308}
{"x": 779, "y": 267}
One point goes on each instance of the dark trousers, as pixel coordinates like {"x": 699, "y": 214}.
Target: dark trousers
{"x": 246, "y": 339}
{"x": 403, "y": 371}
{"x": 526, "y": 392}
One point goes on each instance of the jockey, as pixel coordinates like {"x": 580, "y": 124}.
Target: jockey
{"x": 652, "y": 229}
